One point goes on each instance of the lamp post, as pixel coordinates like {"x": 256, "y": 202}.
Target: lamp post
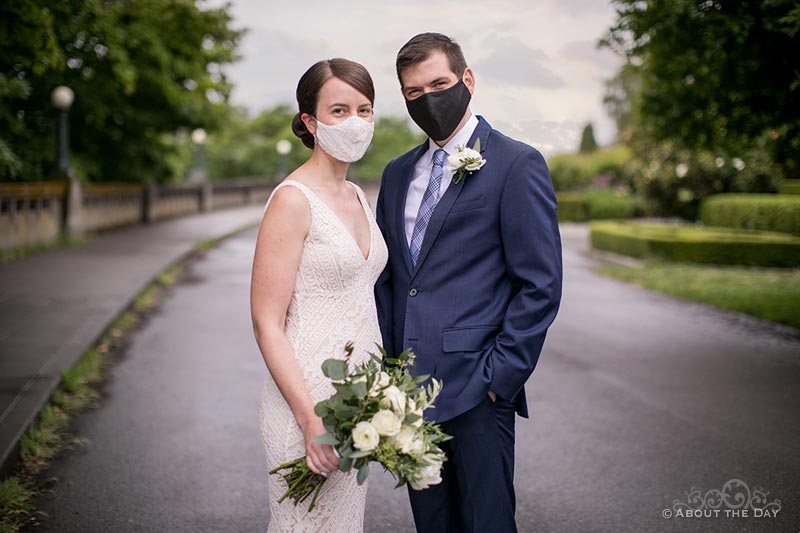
{"x": 199, "y": 171}
{"x": 284, "y": 148}
{"x": 62, "y": 98}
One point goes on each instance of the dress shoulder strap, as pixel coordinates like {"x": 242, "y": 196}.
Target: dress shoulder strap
{"x": 360, "y": 193}
{"x": 308, "y": 193}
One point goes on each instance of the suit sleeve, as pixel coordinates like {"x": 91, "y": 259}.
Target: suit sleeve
{"x": 383, "y": 287}
{"x": 532, "y": 251}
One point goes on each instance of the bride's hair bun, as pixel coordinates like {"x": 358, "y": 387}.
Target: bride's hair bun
{"x": 350, "y": 72}
{"x": 299, "y": 129}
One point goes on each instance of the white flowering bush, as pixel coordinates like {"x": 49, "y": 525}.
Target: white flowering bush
{"x": 375, "y": 415}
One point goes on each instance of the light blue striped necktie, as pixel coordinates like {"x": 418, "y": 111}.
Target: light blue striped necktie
{"x": 429, "y": 201}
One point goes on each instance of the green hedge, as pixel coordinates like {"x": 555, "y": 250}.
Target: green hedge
{"x": 768, "y": 212}
{"x": 572, "y": 207}
{"x": 596, "y": 205}
{"x": 577, "y": 171}
{"x": 696, "y": 245}
{"x": 789, "y": 187}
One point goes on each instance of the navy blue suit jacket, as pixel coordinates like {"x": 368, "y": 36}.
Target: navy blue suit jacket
{"x": 487, "y": 283}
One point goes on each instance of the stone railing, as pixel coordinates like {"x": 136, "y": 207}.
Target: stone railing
{"x": 35, "y": 213}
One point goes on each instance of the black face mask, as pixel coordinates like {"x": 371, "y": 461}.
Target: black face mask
{"x": 440, "y": 112}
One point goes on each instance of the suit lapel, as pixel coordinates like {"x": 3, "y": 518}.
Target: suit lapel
{"x": 442, "y": 209}
{"x": 407, "y": 174}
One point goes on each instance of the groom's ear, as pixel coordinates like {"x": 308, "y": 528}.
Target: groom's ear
{"x": 310, "y": 122}
{"x": 469, "y": 80}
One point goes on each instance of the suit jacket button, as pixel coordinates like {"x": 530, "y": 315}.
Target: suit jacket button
{"x": 412, "y": 292}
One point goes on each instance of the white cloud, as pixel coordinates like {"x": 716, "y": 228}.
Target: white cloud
{"x": 538, "y": 75}
{"x": 512, "y": 61}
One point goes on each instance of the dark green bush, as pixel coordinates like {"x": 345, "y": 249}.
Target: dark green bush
{"x": 692, "y": 244}
{"x": 676, "y": 179}
{"x": 768, "y": 212}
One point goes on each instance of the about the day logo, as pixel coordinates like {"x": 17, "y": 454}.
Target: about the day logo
{"x": 734, "y": 500}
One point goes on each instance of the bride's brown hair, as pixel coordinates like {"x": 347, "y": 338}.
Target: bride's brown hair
{"x": 350, "y": 72}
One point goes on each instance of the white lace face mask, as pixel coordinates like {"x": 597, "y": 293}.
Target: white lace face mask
{"x": 346, "y": 141}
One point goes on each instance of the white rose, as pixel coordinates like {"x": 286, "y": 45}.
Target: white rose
{"x": 475, "y": 165}
{"x": 409, "y": 441}
{"x": 385, "y": 423}
{"x": 365, "y": 436}
{"x": 381, "y": 381}
{"x": 411, "y": 409}
{"x": 395, "y": 399}
{"x": 426, "y": 476}
{"x": 454, "y": 161}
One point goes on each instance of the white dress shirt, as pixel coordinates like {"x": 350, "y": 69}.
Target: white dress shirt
{"x": 422, "y": 173}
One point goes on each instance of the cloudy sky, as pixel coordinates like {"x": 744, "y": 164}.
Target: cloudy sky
{"x": 539, "y": 77}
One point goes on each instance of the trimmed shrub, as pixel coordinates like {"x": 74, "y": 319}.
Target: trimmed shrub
{"x": 603, "y": 167}
{"x": 789, "y": 187}
{"x": 596, "y": 205}
{"x": 692, "y": 244}
{"x": 571, "y": 207}
{"x": 768, "y": 212}
{"x": 606, "y": 205}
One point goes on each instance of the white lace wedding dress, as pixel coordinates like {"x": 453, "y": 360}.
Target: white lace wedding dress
{"x": 332, "y": 304}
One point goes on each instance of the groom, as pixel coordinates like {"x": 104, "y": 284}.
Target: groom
{"x": 472, "y": 284}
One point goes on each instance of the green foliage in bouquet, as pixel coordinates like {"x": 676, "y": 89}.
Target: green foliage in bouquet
{"x": 376, "y": 414}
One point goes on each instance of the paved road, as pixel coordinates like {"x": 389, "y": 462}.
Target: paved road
{"x": 638, "y": 398}
{"x": 54, "y": 305}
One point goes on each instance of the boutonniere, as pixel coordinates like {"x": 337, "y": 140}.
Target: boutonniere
{"x": 465, "y": 160}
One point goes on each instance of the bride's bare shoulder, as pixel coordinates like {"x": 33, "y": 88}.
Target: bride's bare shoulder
{"x": 288, "y": 205}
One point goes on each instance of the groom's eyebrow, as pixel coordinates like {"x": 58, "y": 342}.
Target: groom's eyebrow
{"x": 434, "y": 82}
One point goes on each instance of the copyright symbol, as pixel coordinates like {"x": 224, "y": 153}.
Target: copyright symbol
{"x": 667, "y": 513}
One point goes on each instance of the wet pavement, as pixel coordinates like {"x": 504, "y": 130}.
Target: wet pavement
{"x": 638, "y": 398}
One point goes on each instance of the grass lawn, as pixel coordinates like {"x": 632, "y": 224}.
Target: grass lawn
{"x": 769, "y": 293}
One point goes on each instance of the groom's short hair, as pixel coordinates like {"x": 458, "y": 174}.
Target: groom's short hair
{"x": 420, "y": 47}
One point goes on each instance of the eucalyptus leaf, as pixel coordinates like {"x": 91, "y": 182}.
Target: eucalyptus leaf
{"x": 359, "y": 389}
{"x": 345, "y": 411}
{"x": 363, "y": 473}
{"x": 359, "y": 454}
{"x": 326, "y": 438}
{"x": 321, "y": 410}
{"x": 477, "y": 146}
{"x": 334, "y": 369}
{"x": 345, "y": 464}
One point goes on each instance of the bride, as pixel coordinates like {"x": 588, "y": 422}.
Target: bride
{"x": 317, "y": 257}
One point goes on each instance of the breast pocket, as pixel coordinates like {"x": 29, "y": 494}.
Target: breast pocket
{"x": 468, "y": 339}
{"x": 467, "y": 205}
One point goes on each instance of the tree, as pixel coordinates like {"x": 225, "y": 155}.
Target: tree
{"x": 393, "y": 136}
{"x": 140, "y": 70}
{"x": 247, "y": 147}
{"x": 588, "y": 144}
{"x": 715, "y": 74}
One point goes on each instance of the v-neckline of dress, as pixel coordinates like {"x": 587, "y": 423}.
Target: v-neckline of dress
{"x": 341, "y": 224}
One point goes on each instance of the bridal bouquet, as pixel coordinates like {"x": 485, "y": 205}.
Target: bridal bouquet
{"x": 374, "y": 415}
